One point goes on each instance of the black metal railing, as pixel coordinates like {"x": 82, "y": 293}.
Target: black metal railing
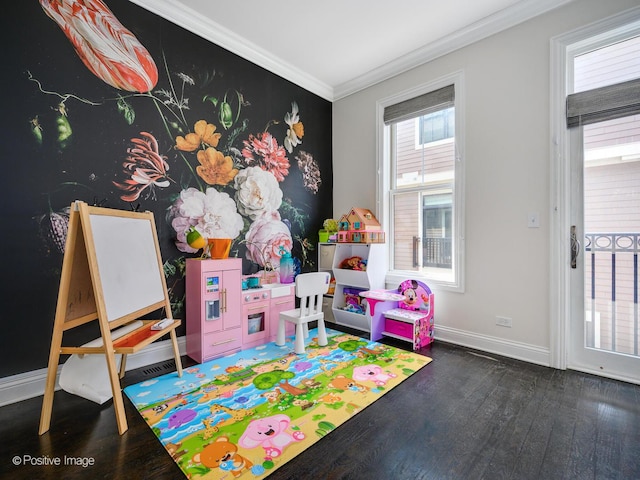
{"x": 611, "y": 271}
{"x": 436, "y": 252}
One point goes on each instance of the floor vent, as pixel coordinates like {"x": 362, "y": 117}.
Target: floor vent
{"x": 160, "y": 369}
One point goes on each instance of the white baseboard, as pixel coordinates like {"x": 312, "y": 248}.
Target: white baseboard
{"x": 498, "y": 346}
{"x": 31, "y": 384}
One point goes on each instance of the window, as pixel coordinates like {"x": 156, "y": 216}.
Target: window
{"x": 435, "y": 126}
{"x": 421, "y": 183}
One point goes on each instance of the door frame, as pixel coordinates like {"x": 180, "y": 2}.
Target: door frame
{"x": 562, "y": 48}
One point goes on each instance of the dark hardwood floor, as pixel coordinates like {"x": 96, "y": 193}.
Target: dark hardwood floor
{"x": 466, "y": 415}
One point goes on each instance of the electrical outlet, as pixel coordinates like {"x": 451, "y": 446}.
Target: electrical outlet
{"x": 503, "y": 321}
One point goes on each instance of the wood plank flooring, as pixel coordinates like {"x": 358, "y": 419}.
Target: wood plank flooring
{"x": 467, "y": 415}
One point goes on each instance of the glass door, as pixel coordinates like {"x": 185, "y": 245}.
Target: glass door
{"x": 605, "y": 214}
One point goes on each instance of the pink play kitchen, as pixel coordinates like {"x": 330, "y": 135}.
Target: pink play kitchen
{"x": 227, "y": 311}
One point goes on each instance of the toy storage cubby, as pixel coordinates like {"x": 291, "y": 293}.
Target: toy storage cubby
{"x": 326, "y": 253}
{"x": 358, "y": 279}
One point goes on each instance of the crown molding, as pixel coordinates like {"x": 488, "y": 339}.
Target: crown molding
{"x": 502, "y": 20}
{"x": 192, "y": 21}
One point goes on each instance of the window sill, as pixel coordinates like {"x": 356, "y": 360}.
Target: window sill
{"x": 396, "y": 277}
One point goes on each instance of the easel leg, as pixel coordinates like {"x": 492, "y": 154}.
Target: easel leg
{"x": 123, "y": 365}
{"x": 50, "y": 386}
{"x": 116, "y": 389}
{"x": 176, "y": 352}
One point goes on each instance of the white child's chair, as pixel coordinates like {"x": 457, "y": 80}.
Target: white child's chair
{"x": 310, "y": 287}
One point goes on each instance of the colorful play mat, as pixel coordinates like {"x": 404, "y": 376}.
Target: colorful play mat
{"x": 245, "y": 415}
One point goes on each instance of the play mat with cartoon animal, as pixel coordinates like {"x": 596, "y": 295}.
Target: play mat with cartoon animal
{"x": 247, "y": 414}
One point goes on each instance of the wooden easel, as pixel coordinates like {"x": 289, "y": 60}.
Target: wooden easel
{"x": 111, "y": 272}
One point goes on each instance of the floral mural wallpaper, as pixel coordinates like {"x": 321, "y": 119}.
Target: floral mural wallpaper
{"x": 108, "y": 103}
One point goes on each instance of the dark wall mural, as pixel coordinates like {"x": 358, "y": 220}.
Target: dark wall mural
{"x": 112, "y": 105}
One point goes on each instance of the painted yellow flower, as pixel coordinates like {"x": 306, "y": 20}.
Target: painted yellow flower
{"x": 215, "y": 168}
{"x": 298, "y": 129}
{"x": 204, "y": 133}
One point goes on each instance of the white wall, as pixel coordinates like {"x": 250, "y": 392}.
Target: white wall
{"x": 507, "y": 174}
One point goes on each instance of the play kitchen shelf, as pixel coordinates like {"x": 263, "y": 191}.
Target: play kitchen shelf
{"x": 326, "y": 253}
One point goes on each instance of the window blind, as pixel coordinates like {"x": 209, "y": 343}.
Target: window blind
{"x": 604, "y": 103}
{"x": 420, "y": 105}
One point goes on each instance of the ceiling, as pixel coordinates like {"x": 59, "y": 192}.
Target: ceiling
{"x": 337, "y": 47}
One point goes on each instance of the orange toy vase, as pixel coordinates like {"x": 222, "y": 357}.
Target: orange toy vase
{"x": 219, "y": 247}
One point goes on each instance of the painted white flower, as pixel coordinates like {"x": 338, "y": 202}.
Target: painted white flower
{"x": 214, "y": 212}
{"x": 257, "y": 192}
{"x": 295, "y": 132}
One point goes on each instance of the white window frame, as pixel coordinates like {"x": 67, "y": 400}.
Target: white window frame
{"x": 383, "y": 141}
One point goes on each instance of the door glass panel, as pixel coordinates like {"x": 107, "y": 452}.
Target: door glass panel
{"x": 612, "y": 232}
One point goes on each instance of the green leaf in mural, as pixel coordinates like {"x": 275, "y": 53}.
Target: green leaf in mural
{"x": 226, "y": 115}
{"x": 64, "y": 130}
{"x": 126, "y": 110}
{"x": 36, "y": 129}
{"x": 233, "y": 134}
{"x": 209, "y": 98}
{"x": 294, "y": 214}
{"x": 169, "y": 269}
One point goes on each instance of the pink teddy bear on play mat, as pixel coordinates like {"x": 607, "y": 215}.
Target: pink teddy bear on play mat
{"x": 270, "y": 433}
{"x": 373, "y": 373}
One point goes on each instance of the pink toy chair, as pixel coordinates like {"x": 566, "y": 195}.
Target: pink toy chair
{"x": 310, "y": 287}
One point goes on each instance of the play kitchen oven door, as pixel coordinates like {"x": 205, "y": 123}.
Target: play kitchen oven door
{"x": 255, "y": 317}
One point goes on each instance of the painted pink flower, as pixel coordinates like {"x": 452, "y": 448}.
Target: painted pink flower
{"x": 311, "y": 176}
{"x": 266, "y": 239}
{"x": 145, "y": 166}
{"x": 181, "y": 226}
{"x": 264, "y": 151}
{"x": 110, "y": 51}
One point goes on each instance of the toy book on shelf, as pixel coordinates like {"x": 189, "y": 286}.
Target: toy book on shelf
{"x": 359, "y": 226}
